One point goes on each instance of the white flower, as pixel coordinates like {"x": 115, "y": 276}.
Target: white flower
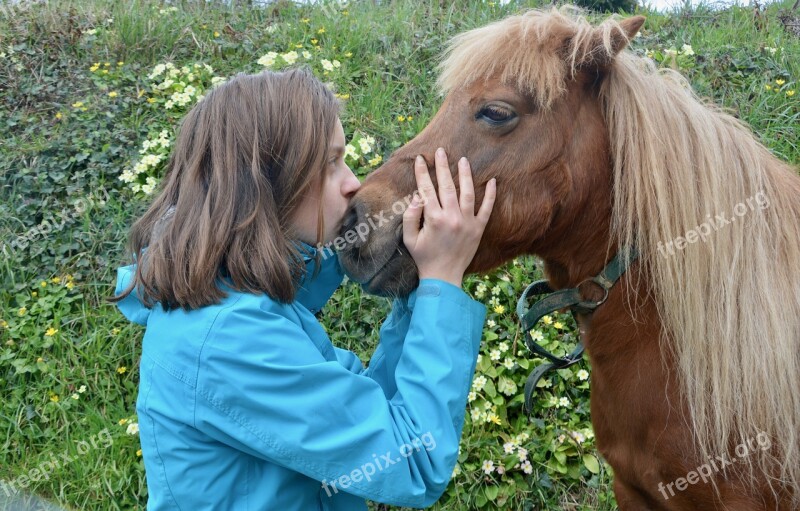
{"x": 537, "y": 336}
{"x": 771, "y": 51}
{"x": 478, "y": 383}
{"x": 336, "y": 63}
{"x": 365, "y": 146}
{"x": 522, "y": 437}
{"x": 508, "y": 363}
{"x": 133, "y": 428}
{"x": 496, "y": 290}
{"x": 169, "y": 104}
{"x": 126, "y": 177}
{"x": 472, "y": 396}
{"x": 157, "y": 71}
{"x": 82, "y": 389}
{"x": 495, "y": 354}
{"x": 687, "y": 49}
{"x": 491, "y": 323}
{"x": 268, "y": 60}
{"x": 509, "y": 447}
{"x": 527, "y": 467}
{"x": 350, "y": 151}
{"x": 503, "y": 346}
{"x": 290, "y": 57}
{"x": 326, "y": 65}
{"x": 488, "y": 466}
{"x": 90, "y": 32}
{"x": 579, "y": 437}
{"x": 564, "y": 402}
{"x": 75, "y": 396}
{"x": 306, "y": 54}
{"x": 216, "y": 80}
{"x": 476, "y": 415}
{"x": 561, "y": 438}
{"x": 456, "y": 471}
{"x": 522, "y": 454}
{"x": 583, "y": 375}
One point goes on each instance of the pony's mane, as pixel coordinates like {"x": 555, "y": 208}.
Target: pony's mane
{"x": 729, "y": 303}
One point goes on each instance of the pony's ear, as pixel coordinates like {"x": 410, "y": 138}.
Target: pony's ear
{"x": 598, "y": 49}
{"x": 630, "y": 27}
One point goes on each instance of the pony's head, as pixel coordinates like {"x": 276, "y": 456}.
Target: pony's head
{"x": 522, "y": 105}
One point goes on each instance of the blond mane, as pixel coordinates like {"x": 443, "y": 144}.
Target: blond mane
{"x": 729, "y": 304}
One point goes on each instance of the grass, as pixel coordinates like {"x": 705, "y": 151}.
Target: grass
{"x": 70, "y": 394}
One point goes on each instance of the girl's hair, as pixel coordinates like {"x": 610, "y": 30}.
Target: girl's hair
{"x": 245, "y": 156}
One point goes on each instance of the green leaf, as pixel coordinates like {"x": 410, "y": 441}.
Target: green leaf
{"x": 591, "y": 463}
{"x": 491, "y": 492}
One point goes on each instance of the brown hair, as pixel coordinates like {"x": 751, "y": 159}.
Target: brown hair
{"x": 244, "y": 158}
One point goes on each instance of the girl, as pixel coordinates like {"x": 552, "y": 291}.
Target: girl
{"x": 244, "y": 403}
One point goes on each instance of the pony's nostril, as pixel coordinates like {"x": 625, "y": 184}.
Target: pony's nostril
{"x": 350, "y": 219}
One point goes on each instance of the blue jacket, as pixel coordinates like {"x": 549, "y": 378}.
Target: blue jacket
{"x": 246, "y": 405}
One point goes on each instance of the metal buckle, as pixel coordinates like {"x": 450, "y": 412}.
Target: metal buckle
{"x": 588, "y": 304}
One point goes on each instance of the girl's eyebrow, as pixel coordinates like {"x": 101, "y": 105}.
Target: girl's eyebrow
{"x": 337, "y": 149}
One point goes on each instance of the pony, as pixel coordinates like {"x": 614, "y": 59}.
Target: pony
{"x": 695, "y": 353}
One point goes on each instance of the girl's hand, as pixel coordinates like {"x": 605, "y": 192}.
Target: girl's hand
{"x": 451, "y": 231}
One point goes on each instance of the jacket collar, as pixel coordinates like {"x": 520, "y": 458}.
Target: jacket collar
{"x": 315, "y": 291}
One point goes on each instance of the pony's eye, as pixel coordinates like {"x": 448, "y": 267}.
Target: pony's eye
{"x": 495, "y": 114}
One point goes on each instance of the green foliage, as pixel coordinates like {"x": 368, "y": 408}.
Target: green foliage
{"x": 608, "y": 5}
{"x": 89, "y": 118}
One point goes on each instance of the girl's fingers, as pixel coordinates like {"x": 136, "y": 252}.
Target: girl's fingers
{"x": 447, "y": 189}
{"x": 411, "y": 218}
{"x": 425, "y": 185}
{"x": 467, "y": 197}
{"x": 489, "y": 195}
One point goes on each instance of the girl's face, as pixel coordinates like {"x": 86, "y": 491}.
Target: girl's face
{"x": 339, "y": 186}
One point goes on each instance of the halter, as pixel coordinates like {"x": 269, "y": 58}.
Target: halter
{"x": 561, "y": 299}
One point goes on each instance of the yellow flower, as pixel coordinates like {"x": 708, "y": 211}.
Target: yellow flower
{"x": 113, "y": 94}
{"x": 789, "y": 93}
{"x": 107, "y": 64}
{"x": 151, "y": 100}
{"x": 105, "y": 71}
{"x": 70, "y": 277}
{"x": 492, "y": 417}
{"x": 34, "y": 294}
{"x": 3, "y": 323}
{"x": 216, "y": 34}
{"x": 115, "y": 331}
{"x": 558, "y": 324}
{"x": 122, "y": 422}
{"x": 69, "y": 285}
{"x": 39, "y": 360}
{"x": 120, "y": 63}
{"x": 77, "y": 104}
{"x": 314, "y": 42}
{"x": 348, "y": 54}
{"x": 139, "y": 453}
{"x": 43, "y": 283}
{"x": 345, "y": 13}
{"x": 94, "y": 68}
{"x": 305, "y": 20}
{"x": 298, "y": 45}
{"x": 768, "y": 86}
{"x": 55, "y": 280}
{"x": 22, "y": 311}
{"x": 58, "y": 115}
{"x": 51, "y": 332}
{"x": 321, "y": 31}
{"x": 780, "y": 82}
{"x": 401, "y": 118}
{"x": 54, "y": 398}
{"x": 410, "y": 118}
{"x": 376, "y": 160}
{"x": 499, "y": 309}
{"x": 342, "y": 96}
{"x": 122, "y": 369}
{"x": 547, "y": 320}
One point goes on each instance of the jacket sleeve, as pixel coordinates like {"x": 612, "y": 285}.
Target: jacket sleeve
{"x": 384, "y": 360}
{"x": 264, "y": 388}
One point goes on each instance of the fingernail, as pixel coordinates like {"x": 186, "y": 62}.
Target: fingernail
{"x": 440, "y": 152}
{"x": 420, "y": 159}
{"x": 462, "y": 161}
